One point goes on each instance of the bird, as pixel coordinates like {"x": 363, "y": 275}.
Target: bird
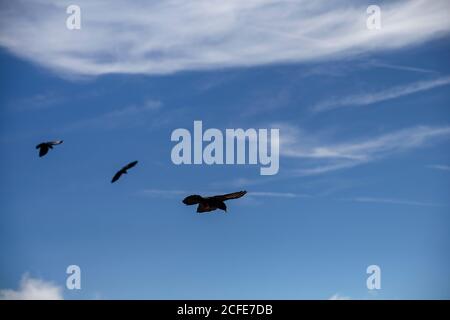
{"x": 207, "y": 204}
{"x": 123, "y": 171}
{"x": 45, "y": 146}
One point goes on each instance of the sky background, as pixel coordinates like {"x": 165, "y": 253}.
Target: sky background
{"x": 364, "y": 173}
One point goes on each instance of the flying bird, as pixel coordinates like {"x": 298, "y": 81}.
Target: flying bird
{"x": 207, "y": 204}
{"x": 123, "y": 171}
{"x": 45, "y": 146}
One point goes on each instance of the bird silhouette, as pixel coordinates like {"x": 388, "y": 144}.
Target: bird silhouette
{"x": 207, "y": 204}
{"x": 123, "y": 171}
{"x": 45, "y": 146}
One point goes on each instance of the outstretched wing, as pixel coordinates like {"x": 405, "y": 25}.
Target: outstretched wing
{"x": 116, "y": 176}
{"x": 130, "y": 165}
{"x": 43, "y": 149}
{"x": 54, "y": 143}
{"x": 229, "y": 196}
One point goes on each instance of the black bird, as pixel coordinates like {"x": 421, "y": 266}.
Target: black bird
{"x": 123, "y": 171}
{"x": 207, "y": 204}
{"x": 45, "y": 146}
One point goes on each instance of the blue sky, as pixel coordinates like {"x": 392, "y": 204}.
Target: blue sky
{"x": 364, "y": 165}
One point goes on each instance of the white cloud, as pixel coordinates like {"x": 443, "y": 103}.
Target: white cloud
{"x": 371, "y": 98}
{"x": 163, "y": 193}
{"x": 178, "y": 193}
{"x": 33, "y": 289}
{"x": 439, "y": 167}
{"x": 333, "y": 156}
{"x": 395, "y": 201}
{"x": 160, "y": 37}
{"x": 37, "y": 102}
{"x": 130, "y": 116}
{"x": 276, "y": 194}
{"x": 380, "y": 64}
{"x": 338, "y": 297}
{"x": 328, "y": 167}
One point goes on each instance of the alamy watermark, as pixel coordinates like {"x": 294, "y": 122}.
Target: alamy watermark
{"x": 73, "y": 22}
{"x": 373, "y": 21}
{"x": 239, "y": 146}
{"x": 374, "y": 280}
{"x": 73, "y": 281}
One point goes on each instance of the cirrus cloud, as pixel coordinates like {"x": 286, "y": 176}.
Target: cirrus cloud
{"x": 388, "y": 94}
{"x": 331, "y": 156}
{"x": 162, "y": 37}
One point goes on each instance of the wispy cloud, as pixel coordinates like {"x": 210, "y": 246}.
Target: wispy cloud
{"x": 163, "y": 193}
{"x": 395, "y": 201}
{"x": 130, "y": 116}
{"x": 160, "y": 37}
{"x": 375, "y": 97}
{"x": 276, "y": 194}
{"x": 177, "y": 193}
{"x": 326, "y": 156}
{"x": 328, "y": 167}
{"x": 33, "y": 289}
{"x": 37, "y": 102}
{"x": 439, "y": 167}
{"x": 246, "y": 182}
{"x": 380, "y": 64}
{"x": 338, "y": 297}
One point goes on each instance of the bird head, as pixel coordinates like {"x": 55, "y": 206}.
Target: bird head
{"x": 194, "y": 199}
